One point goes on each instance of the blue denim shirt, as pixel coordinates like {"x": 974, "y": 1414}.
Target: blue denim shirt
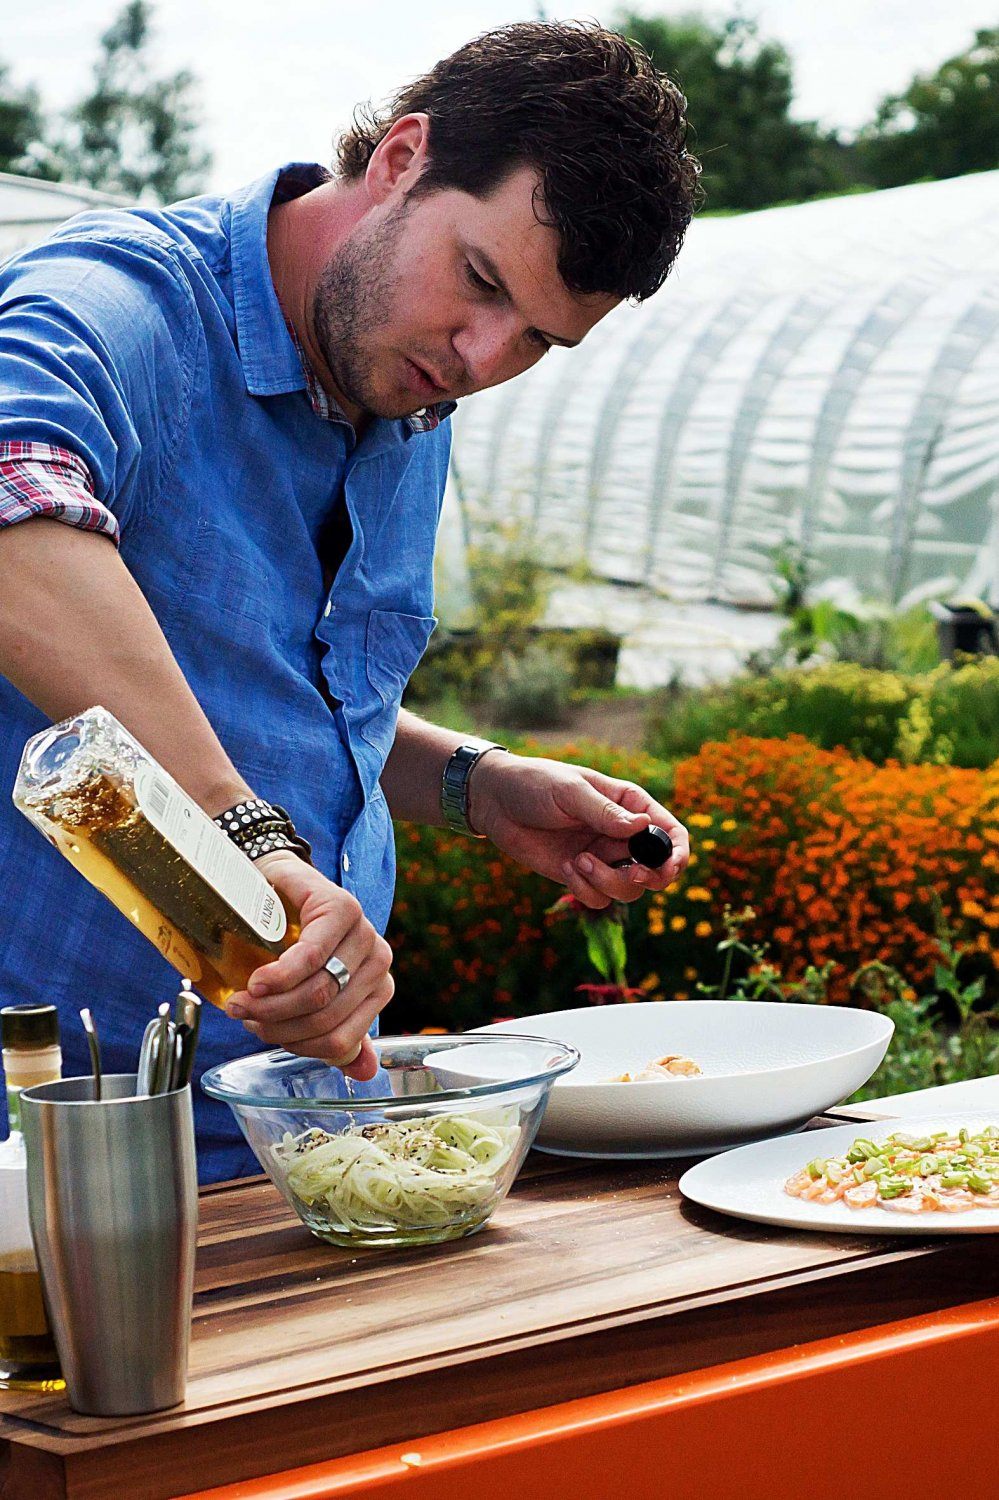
{"x": 151, "y": 343}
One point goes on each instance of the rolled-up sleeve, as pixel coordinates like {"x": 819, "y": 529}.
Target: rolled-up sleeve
{"x": 37, "y": 479}
{"x": 97, "y": 342}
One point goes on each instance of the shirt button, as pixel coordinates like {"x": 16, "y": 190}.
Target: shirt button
{"x": 328, "y": 610}
{"x": 346, "y": 861}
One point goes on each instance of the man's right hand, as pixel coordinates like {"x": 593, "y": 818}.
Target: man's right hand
{"x": 295, "y": 1002}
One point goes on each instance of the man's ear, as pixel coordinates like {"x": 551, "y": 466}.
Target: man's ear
{"x": 399, "y": 158}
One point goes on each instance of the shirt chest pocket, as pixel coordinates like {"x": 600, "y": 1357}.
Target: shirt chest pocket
{"x": 371, "y": 658}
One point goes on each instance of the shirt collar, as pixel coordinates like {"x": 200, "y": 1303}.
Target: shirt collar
{"x": 273, "y": 361}
{"x": 270, "y": 364}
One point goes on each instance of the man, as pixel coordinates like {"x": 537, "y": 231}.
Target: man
{"x": 240, "y": 407}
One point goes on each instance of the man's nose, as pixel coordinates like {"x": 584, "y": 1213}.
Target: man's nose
{"x": 489, "y": 350}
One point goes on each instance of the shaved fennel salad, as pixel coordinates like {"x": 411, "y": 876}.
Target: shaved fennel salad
{"x": 426, "y": 1178}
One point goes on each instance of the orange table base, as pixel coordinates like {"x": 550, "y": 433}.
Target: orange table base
{"x": 904, "y": 1409}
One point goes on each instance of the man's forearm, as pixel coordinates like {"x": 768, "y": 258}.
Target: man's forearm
{"x": 75, "y": 630}
{"x": 411, "y": 780}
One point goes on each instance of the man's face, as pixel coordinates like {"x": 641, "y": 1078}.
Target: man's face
{"x": 432, "y": 298}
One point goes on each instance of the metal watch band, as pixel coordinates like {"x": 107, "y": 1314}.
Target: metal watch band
{"x": 258, "y": 827}
{"x": 454, "y": 786}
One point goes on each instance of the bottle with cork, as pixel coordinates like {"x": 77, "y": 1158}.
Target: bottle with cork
{"x": 31, "y": 1055}
{"x": 126, "y": 825}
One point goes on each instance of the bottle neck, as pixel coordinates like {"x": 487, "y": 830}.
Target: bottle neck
{"x": 25, "y": 1067}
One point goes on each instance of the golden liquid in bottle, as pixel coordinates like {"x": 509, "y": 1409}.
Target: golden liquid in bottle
{"x": 28, "y": 1358}
{"x": 100, "y": 829}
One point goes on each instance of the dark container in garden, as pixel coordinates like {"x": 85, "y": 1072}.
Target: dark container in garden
{"x": 967, "y": 629}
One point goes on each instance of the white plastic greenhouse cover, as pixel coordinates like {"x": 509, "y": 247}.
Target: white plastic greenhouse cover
{"x": 827, "y": 373}
{"x": 31, "y": 209}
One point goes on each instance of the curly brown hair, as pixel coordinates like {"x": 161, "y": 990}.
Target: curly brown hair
{"x": 604, "y": 128}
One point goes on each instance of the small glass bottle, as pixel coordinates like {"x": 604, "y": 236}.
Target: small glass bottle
{"x": 127, "y": 826}
{"x": 31, "y": 1055}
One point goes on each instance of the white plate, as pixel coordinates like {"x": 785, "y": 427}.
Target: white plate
{"x": 749, "y": 1183}
{"x": 767, "y": 1067}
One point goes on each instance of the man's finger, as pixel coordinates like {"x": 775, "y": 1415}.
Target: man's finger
{"x": 617, "y": 885}
{"x": 320, "y": 937}
{"x": 582, "y": 889}
{"x": 336, "y": 1039}
{"x": 365, "y": 1064}
{"x": 320, "y": 989}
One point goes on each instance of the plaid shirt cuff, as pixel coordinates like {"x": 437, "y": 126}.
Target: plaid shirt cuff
{"x": 37, "y": 479}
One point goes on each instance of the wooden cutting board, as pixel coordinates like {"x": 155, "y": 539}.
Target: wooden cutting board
{"x": 591, "y": 1276}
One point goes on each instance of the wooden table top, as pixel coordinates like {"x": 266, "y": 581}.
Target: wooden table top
{"x": 591, "y": 1276}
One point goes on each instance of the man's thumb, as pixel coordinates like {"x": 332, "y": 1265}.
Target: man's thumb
{"x": 604, "y": 816}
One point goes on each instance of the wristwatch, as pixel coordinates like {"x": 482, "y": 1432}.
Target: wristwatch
{"x": 454, "y": 784}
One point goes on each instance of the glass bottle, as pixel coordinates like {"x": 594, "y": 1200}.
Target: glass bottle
{"x": 31, "y": 1055}
{"x": 126, "y": 825}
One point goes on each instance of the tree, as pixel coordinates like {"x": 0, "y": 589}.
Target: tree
{"x": 740, "y": 90}
{"x": 943, "y": 125}
{"x": 135, "y": 134}
{"x": 23, "y": 146}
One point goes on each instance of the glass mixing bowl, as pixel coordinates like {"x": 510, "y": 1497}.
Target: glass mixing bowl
{"x": 421, "y": 1153}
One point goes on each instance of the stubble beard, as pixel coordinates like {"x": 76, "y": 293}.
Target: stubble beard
{"x": 357, "y": 287}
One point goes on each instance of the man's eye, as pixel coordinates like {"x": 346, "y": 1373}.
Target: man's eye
{"x": 479, "y": 282}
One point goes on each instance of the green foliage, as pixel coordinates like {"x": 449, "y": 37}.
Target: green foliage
{"x": 517, "y": 672}
{"x": 944, "y": 124}
{"x": 740, "y": 90}
{"x": 509, "y": 586}
{"x": 819, "y": 628}
{"x": 749, "y": 974}
{"x": 949, "y": 715}
{"x": 942, "y": 1036}
{"x": 23, "y": 144}
{"x": 135, "y": 134}
{"x": 605, "y": 946}
{"x": 530, "y": 690}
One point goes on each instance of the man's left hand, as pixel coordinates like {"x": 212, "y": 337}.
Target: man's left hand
{"x": 571, "y": 823}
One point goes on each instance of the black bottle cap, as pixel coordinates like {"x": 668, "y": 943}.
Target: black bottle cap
{"x": 650, "y": 847}
{"x": 29, "y": 1026}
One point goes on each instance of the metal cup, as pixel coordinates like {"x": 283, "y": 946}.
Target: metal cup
{"x": 113, "y": 1199}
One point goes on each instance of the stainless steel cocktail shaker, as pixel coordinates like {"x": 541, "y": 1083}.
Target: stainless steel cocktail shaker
{"x": 112, "y": 1192}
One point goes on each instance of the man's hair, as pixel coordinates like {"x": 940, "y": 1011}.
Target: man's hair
{"x": 603, "y": 127}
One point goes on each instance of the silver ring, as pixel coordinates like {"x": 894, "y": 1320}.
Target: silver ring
{"x": 339, "y": 971}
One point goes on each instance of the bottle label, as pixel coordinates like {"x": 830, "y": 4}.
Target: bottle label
{"x": 207, "y": 850}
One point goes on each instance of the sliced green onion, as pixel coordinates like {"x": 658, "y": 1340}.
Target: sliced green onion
{"x": 894, "y": 1187}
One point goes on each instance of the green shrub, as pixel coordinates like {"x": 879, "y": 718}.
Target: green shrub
{"x": 530, "y": 690}
{"x": 949, "y": 715}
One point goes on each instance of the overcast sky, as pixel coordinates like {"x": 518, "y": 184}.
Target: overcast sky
{"x": 278, "y": 76}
